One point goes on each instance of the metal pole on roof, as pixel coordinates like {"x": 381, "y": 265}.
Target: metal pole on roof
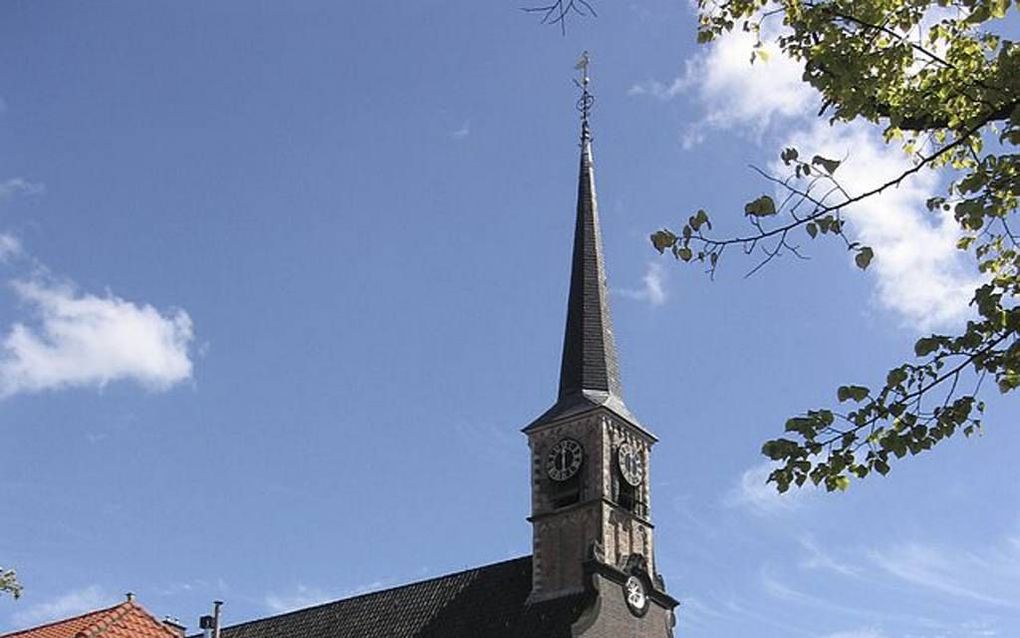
{"x": 216, "y": 618}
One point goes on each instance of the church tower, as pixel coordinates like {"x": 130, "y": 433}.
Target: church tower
{"x": 593, "y": 571}
{"x": 590, "y": 496}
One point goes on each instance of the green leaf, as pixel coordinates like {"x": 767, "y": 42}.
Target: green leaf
{"x": 895, "y": 377}
{"x": 779, "y": 449}
{"x": 812, "y": 229}
{"x": 829, "y": 165}
{"x": 662, "y": 239}
{"x": 863, "y": 257}
{"x": 925, "y": 346}
{"x": 841, "y": 482}
{"x": 856, "y": 392}
{"x": 788, "y": 155}
{"x": 761, "y": 207}
{"x": 699, "y": 218}
{"x": 801, "y": 425}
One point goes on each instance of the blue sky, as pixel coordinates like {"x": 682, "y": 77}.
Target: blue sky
{"x": 282, "y": 284}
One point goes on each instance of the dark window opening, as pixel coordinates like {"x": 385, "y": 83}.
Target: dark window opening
{"x": 628, "y": 497}
{"x": 566, "y": 493}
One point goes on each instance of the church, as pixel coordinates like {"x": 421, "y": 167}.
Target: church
{"x": 592, "y": 572}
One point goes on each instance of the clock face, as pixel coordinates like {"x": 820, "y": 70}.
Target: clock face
{"x": 564, "y": 459}
{"x": 632, "y": 466}
{"x": 637, "y": 599}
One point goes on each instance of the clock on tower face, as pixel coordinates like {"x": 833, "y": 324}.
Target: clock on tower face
{"x": 564, "y": 459}
{"x": 637, "y": 599}
{"x": 632, "y": 466}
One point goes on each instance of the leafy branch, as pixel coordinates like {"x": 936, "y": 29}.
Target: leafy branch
{"x": 825, "y": 217}
{"x": 9, "y": 583}
{"x": 953, "y": 89}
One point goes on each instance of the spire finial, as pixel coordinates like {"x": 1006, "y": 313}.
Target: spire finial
{"x": 584, "y": 104}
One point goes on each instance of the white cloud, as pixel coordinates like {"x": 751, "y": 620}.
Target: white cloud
{"x": 818, "y": 558}
{"x": 71, "y": 604}
{"x": 661, "y": 90}
{"x": 734, "y": 93}
{"x": 778, "y": 589}
{"x": 991, "y": 576}
{"x": 10, "y": 247}
{"x": 303, "y": 596}
{"x": 699, "y": 613}
{"x": 753, "y": 494}
{"x": 87, "y": 340}
{"x": 793, "y": 597}
{"x": 462, "y": 132}
{"x": 300, "y": 598}
{"x": 19, "y": 185}
{"x": 653, "y": 290}
{"x": 919, "y": 273}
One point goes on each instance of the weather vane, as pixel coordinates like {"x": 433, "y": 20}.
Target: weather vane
{"x": 582, "y": 66}
{"x": 585, "y": 103}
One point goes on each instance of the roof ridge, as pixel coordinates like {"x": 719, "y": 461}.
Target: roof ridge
{"x": 103, "y": 623}
{"x": 379, "y": 591}
{"x": 145, "y": 612}
{"x": 61, "y": 621}
{"x": 128, "y": 607}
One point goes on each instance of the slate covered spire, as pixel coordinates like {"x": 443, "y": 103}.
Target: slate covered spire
{"x": 589, "y": 369}
{"x": 589, "y": 361}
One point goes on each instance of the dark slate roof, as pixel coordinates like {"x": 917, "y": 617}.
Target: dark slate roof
{"x": 485, "y": 602}
{"x": 586, "y": 401}
{"x": 589, "y": 370}
{"x": 589, "y": 350}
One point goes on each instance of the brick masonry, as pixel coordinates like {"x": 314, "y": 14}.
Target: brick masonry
{"x": 562, "y": 537}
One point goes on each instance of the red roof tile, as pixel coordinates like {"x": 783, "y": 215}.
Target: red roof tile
{"x": 126, "y": 620}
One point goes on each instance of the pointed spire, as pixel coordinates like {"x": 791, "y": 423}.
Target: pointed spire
{"x": 589, "y": 370}
{"x": 589, "y": 351}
